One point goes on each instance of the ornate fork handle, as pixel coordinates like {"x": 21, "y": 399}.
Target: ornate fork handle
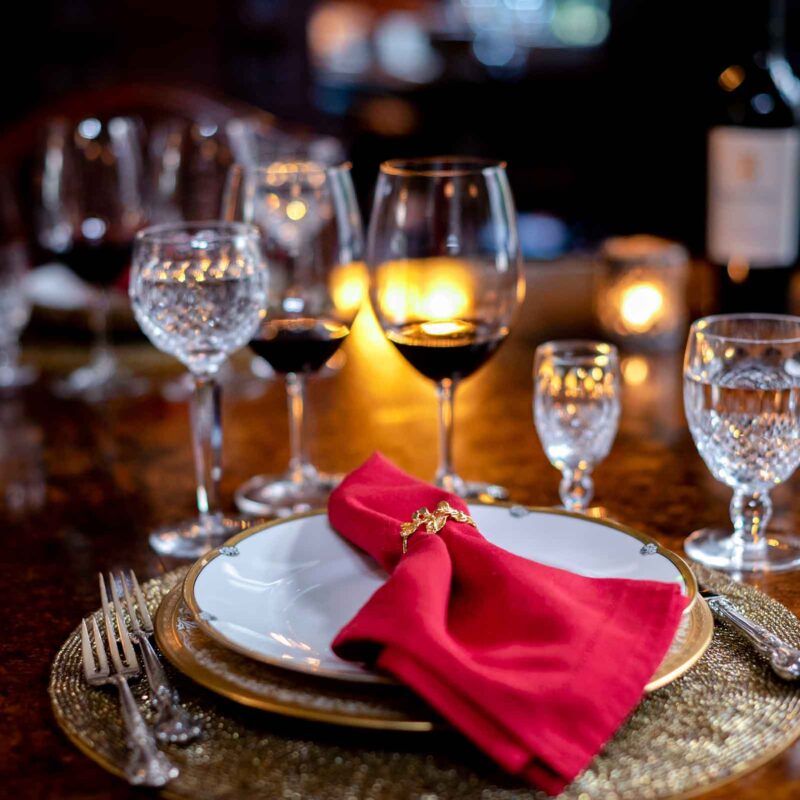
{"x": 784, "y": 659}
{"x": 147, "y": 765}
{"x": 174, "y": 723}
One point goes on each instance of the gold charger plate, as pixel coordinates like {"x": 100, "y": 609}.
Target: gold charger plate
{"x": 727, "y": 716}
{"x": 386, "y": 707}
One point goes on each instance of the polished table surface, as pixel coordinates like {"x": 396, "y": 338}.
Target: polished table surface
{"x": 81, "y": 485}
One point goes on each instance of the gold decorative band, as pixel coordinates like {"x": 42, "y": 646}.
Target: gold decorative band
{"x": 433, "y": 522}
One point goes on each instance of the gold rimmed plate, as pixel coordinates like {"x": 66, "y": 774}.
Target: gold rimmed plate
{"x": 279, "y": 592}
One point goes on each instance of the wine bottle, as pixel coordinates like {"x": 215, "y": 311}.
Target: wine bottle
{"x": 753, "y": 164}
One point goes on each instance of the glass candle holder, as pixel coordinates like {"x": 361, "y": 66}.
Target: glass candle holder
{"x": 641, "y": 292}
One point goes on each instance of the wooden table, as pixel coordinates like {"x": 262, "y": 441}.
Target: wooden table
{"x": 104, "y": 475}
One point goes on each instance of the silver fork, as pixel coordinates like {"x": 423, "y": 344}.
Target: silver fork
{"x": 147, "y": 766}
{"x": 174, "y": 723}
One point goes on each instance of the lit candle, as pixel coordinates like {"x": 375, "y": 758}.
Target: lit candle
{"x": 641, "y": 291}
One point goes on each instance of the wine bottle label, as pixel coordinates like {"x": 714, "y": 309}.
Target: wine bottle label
{"x": 753, "y": 196}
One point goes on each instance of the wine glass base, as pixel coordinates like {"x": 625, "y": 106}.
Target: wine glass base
{"x": 479, "y": 490}
{"x": 98, "y": 385}
{"x": 279, "y": 496}
{"x": 17, "y": 377}
{"x": 716, "y": 548}
{"x": 193, "y": 538}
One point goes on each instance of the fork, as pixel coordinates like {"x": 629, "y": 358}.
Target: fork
{"x": 146, "y": 766}
{"x": 173, "y": 724}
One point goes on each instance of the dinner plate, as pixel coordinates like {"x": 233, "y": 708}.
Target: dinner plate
{"x": 353, "y": 704}
{"x": 280, "y": 592}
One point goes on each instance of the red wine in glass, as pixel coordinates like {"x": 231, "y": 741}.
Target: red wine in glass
{"x": 298, "y": 344}
{"x": 447, "y": 348}
{"x": 100, "y": 264}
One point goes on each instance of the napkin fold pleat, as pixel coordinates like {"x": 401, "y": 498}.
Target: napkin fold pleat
{"x": 536, "y": 665}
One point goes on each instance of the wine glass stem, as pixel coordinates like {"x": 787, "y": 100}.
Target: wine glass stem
{"x": 102, "y": 355}
{"x": 446, "y": 476}
{"x": 9, "y": 355}
{"x": 207, "y": 436}
{"x": 299, "y": 466}
{"x": 750, "y": 514}
{"x": 576, "y": 489}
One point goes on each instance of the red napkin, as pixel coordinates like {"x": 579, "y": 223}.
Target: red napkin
{"x": 537, "y": 666}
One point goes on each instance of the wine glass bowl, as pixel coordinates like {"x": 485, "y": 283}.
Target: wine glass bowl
{"x": 198, "y": 292}
{"x": 576, "y": 409}
{"x": 741, "y": 396}
{"x": 90, "y": 206}
{"x": 312, "y": 242}
{"x": 446, "y": 276}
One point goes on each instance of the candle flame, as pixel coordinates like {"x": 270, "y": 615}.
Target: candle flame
{"x": 641, "y": 305}
{"x": 430, "y": 289}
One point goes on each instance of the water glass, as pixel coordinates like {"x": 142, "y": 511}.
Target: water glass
{"x": 576, "y": 409}
{"x": 199, "y": 293}
{"x": 741, "y": 390}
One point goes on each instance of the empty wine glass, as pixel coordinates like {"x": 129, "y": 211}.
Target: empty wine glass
{"x": 15, "y": 307}
{"x": 91, "y": 203}
{"x": 257, "y": 142}
{"x": 446, "y": 277}
{"x": 312, "y": 237}
{"x": 199, "y": 291}
{"x": 576, "y": 409}
{"x": 741, "y": 390}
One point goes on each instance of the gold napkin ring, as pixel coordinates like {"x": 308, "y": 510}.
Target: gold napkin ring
{"x": 433, "y": 522}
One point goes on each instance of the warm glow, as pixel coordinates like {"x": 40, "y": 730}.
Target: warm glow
{"x": 635, "y": 370}
{"x": 430, "y": 288}
{"x": 446, "y": 327}
{"x": 296, "y": 210}
{"x": 641, "y": 305}
{"x": 731, "y": 78}
{"x": 738, "y": 270}
{"x": 349, "y": 287}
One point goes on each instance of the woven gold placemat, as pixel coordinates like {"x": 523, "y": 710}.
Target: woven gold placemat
{"x": 726, "y": 716}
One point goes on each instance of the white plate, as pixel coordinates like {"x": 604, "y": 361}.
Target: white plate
{"x": 280, "y": 592}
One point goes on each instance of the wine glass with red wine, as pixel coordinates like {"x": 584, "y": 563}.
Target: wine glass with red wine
{"x": 312, "y": 238}
{"x": 90, "y": 207}
{"x": 446, "y": 277}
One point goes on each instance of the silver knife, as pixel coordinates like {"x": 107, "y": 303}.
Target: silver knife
{"x": 783, "y": 658}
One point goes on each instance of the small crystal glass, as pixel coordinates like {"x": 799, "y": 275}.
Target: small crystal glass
{"x": 199, "y": 293}
{"x": 741, "y": 391}
{"x": 576, "y": 409}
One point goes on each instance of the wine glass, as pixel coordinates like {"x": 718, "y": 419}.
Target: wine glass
{"x": 446, "y": 277}
{"x": 198, "y": 292}
{"x": 189, "y": 162}
{"x": 576, "y": 409}
{"x": 312, "y": 239}
{"x": 741, "y": 391}
{"x": 188, "y": 165}
{"x": 256, "y": 141}
{"x": 15, "y": 306}
{"x": 90, "y": 206}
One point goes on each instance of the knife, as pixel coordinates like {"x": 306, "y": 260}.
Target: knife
{"x": 783, "y": 658}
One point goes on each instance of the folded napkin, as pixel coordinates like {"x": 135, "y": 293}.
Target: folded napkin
{"x": 537, "y": 666}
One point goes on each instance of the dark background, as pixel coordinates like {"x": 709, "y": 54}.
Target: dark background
{"x": 609, "y": 139}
